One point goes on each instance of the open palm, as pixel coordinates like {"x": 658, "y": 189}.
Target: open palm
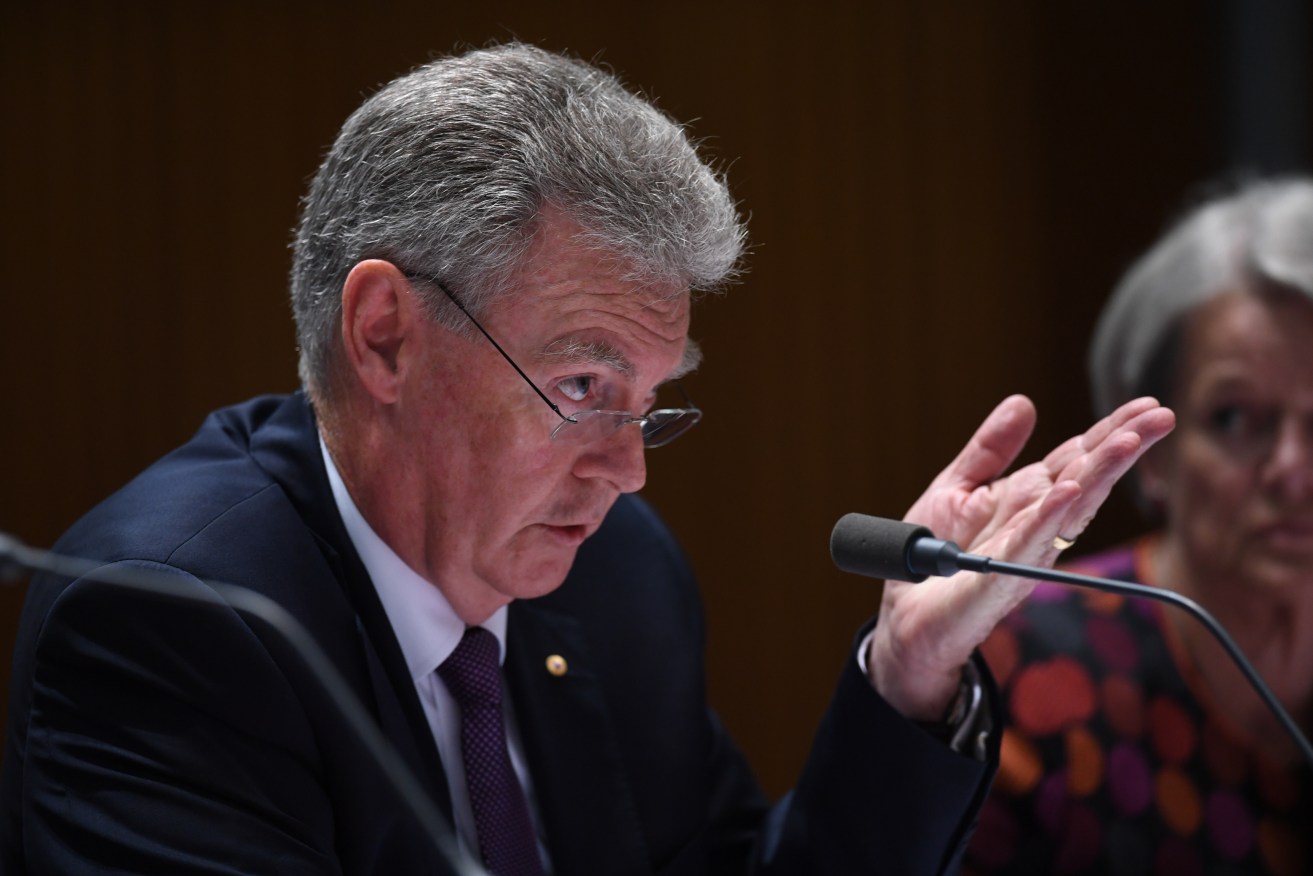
{"x": 927, "y": 631}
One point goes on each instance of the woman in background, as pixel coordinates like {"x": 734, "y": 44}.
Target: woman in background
{"x": 1134, "y": 745}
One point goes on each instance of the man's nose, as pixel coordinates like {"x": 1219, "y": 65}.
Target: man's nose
{"x": 619, "y": 458}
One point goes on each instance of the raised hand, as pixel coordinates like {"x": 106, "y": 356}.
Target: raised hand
{"x": 927, "y": 631}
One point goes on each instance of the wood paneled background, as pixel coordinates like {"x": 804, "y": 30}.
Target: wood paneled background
{"x": 940, "y": 193}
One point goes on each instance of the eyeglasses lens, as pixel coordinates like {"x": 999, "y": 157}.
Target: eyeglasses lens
{"x": 659, "y": 427}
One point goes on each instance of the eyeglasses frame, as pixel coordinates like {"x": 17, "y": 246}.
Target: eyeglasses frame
{"x": 633, "y": 418}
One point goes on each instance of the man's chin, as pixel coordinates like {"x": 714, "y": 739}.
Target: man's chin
{"x": 545, "y": 577}
{"x": 545, "y": 556}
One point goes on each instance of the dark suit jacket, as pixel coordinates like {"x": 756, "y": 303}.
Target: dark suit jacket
{"x": 153, "y": 735}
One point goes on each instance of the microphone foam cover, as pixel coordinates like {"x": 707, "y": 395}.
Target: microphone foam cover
{"x": 875, "y": 546}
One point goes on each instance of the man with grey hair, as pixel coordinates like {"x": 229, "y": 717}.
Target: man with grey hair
{"x": 491, "y": 286}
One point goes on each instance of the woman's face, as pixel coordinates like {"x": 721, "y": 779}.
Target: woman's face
{"x": 1236, "y": 477}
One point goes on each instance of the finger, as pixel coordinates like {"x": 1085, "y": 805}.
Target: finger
{"x": 1064, "y": 503}
{"x": 1127, "y": 444}
{"x": 1061, "y": 503}
{"x": 1098, "y": 471}
{"x": 1068, "y": 505}
{"x": 1126, "y": 415}
{"x": 993, "y": 447}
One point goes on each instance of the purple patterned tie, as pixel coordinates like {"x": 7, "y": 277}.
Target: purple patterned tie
{"x": 501, "y": 814}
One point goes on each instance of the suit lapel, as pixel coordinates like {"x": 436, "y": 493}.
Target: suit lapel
{"x": 416, "y": 749}
{"x": 583, "y": 798}
{"x": 287, "y": 447}
{"x": 395, "y": 702}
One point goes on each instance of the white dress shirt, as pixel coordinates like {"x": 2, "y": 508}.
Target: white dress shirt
{"x": 428, "y": 630}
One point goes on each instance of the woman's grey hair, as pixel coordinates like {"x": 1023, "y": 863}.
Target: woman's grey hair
{"x": 1257, "y": 238}
{"x": 445, "y": 171}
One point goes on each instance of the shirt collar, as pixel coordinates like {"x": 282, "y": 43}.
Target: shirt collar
{"x": 426, "y": 626}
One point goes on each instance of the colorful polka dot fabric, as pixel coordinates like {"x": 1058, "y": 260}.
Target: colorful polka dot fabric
{"x": 1111, "y": 765}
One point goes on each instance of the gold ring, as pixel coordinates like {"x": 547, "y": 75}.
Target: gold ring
{"x": 1061, "y": 542}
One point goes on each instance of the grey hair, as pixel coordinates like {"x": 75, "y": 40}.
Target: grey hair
{"x": 446, "y": 170}
{"x": 1258, "y": 237}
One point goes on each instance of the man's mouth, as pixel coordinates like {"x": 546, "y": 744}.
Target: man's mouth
{"x": 571, "y": 534}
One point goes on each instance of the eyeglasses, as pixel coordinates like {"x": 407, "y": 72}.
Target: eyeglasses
{"x": 658, "y": 427}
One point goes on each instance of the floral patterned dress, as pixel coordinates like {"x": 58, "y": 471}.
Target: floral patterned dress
{"x": 1115, "y": 759}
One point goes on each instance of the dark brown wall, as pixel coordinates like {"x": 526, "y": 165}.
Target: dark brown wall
{"x": 940, "y": 195}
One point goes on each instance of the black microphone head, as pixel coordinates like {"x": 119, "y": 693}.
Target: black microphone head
{"x": 876, "y": 546}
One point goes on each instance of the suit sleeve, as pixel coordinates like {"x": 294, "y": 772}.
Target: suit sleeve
{"x": 164, "y": 736}
{"x": 878, "y": 793}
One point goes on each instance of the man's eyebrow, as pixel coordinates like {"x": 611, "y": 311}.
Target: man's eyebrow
{"x": 575, "y": 351}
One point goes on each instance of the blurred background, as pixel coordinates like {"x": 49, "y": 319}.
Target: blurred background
{"x": 940, "y": 193}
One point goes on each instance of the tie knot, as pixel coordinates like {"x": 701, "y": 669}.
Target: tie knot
{"x": 472, "y": 672}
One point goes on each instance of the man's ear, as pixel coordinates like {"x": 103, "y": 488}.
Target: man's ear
{"x": 377, "y": 318}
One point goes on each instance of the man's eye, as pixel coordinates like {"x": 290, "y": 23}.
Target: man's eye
{"x": 575, "y": 388}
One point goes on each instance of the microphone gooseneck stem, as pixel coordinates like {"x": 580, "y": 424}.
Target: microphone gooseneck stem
{"x": 16, "y": 555}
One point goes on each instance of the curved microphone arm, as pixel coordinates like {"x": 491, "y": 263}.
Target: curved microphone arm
{"x": 883, "y": 548}
{"x": 16, "y": 556}
{"x": 1183, "y": 602}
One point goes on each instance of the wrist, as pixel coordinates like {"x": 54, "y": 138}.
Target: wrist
{"x": 923, "y": 696}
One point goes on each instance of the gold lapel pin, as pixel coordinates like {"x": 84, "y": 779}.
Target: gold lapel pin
{"x": 556, "y": 665}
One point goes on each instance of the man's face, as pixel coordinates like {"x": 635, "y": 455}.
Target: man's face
{"x": 1237, "y": 474}
{"x": 495, "y": 509}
